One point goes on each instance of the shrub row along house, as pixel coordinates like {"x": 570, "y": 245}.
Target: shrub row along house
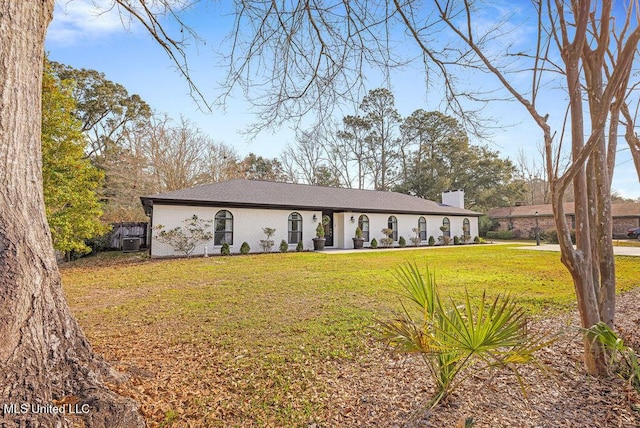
{"x": 241, "y": 209}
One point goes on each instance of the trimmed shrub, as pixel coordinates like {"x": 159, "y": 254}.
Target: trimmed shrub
{"x": 456, "y": 240}
{"x": 225, "y": 250}
{"x": 402, "y": 242}
{"x": 245, "y": 248}
{"x": 521, "y": 234}
{"x": 374, "y": 243}
{"x": 284, "y": 247}
{"x": 432, "y": 241}
{"x": 500, "y": 234}
{"x": 300, "y": 247}
{"x": 551, "y": 236}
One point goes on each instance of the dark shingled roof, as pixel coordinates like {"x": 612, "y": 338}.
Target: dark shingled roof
{"x": 626, "y": 209}
{"x": 267, "y": 194}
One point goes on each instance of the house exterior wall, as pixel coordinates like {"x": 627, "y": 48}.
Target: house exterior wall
{"x": 248, "y": 224}
{"x": 344, "y": 229}
{"x": 247, "y": 227}
{"x": 622, "y": 224}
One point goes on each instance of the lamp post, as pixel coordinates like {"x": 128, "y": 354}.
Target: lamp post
{"x": 537, "y": 230}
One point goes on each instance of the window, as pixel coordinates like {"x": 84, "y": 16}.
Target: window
{"x": 466, "y": 228}
{"x": 446, "y": 227}
{"x": 422, "y": 228}
{"x": 392, "y": 224}
{"x": 295, "y": 228}
{"x": 363, "y": 224}
{"x": 223, "y": 228}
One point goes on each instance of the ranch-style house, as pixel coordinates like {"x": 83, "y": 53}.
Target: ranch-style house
{"x": 240, "y": 209}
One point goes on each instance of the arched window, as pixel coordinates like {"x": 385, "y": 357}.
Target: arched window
{"x": 223, "y": 228}
{"x": 295, "y": 228}
{"x": 392, "y": 224}
{"x": 466, "y": 228}
{"x": 446, "y": 225}
{"x": 363, "y": 224}
{"x": 422, "y": 228}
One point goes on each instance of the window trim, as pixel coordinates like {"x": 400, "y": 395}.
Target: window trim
{"x": 392, "y": 223}
{"x": 422, "y": 232}
{"x": 220, "y": 236}
{"x": 447, "y": 223}
{"x": 362, "y": 220}
{"x": 466, "y": 227}
{"x": 293, "y": 237}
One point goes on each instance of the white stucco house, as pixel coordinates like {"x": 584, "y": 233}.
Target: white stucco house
{"x": 240, "y": 209}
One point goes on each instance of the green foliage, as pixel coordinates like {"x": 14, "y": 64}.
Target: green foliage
{"x": 374, "y": 243}
{"x": 185, "y": 240}
{"x": 622, "y": 359}
{"x": 458, "y": 340}
{"x": 113, "y": 121}
{"x": 551, "y": 236}
{"x": 402, "y": 242}
{"x": 320, "y": 230}
{"x": 284, "y": 247}
{"x": 245, "y": 248}
{"x": 443, "y": 159}
{"x": 432, "y": 241}
{"x": 300, "y": 247}
{"x": 225, "y": 250}
{"x": 358, "y": 232}
{"x": 477, "y": 240}
{"x": 456, "y": 240}
{"x": 70, "y": 182}
{"x": 500, "y": 234}
{"x": 255, "y": 167}
{"x": 486, "y": 224}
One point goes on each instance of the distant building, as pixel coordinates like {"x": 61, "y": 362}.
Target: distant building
{"x": 522, "y": 219}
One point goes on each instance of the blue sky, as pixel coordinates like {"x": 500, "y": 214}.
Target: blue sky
{"x": 81, "y": 38}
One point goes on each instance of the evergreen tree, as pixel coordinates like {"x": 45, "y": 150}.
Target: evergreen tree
{"x": 70, "y": 181}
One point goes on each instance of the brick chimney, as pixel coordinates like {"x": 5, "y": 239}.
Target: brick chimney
{"x": 453, "y": 198}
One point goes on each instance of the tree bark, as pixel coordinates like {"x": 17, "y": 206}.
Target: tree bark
{"x": 45, "y": 359}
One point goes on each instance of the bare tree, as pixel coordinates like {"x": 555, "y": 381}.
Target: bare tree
{"x": 176, "y": 154}
{"x": 302, "y": 159}
{"x": 220, "y": 163}
{"x": 532, "y": 172}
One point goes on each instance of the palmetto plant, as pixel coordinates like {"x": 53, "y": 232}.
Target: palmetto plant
{"x": 622, "y": 358}
{"x": 456, "y": 341}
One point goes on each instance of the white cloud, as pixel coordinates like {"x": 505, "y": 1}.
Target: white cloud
{"x": 77, "y": 20}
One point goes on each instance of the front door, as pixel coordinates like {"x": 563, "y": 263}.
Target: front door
{"x": 328, "y": 229}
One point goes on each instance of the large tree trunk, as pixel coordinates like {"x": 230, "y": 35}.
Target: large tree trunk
{"x": 44, "y": 356}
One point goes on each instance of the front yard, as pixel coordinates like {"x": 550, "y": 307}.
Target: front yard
{"x": 286, "y": 339}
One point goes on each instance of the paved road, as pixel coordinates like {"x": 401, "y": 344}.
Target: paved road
{"x": 618, "y": 251}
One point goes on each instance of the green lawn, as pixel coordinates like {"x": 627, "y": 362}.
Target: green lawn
{"x": 241, "y": 338}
